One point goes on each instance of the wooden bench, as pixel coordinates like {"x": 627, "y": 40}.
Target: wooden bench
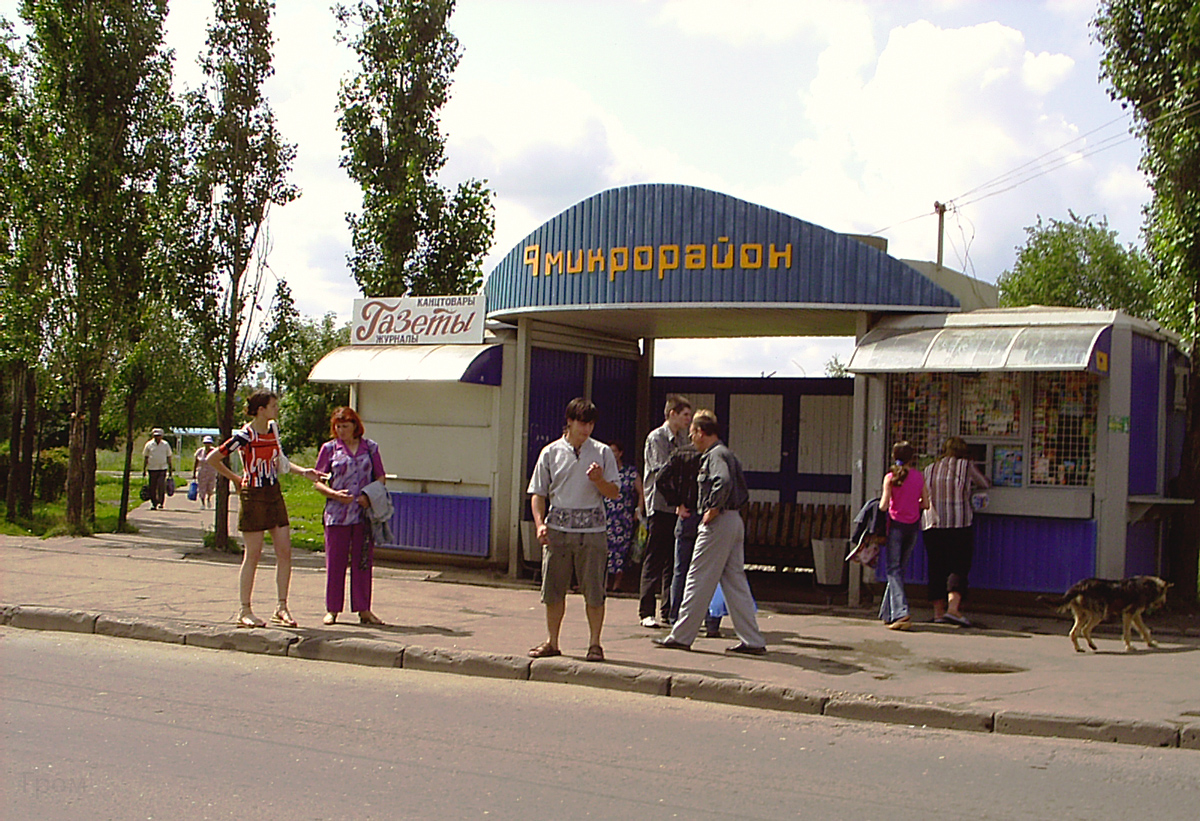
{"x": 780, "y": 534}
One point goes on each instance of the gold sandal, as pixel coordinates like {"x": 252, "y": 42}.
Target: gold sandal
{"x": 367, "y": 617}
{"x": 330, "y": 618}
{"x": 282, "y": 617}
{"x": 247, "y": 618}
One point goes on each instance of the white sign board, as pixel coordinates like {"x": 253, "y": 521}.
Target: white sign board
{"x": 418, "y": 320}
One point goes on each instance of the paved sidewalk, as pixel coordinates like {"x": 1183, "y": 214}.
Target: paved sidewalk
{"x": 1012, "y": 674}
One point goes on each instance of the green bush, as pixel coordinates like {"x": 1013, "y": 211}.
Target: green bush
{"x": 52, "y": 473}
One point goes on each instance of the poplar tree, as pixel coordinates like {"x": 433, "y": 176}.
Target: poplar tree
{"x": 239, "y": 163}
{"x": 413, "y": 236}
{"x": 1152, "y": 59}
{"x": 102, "y": 81}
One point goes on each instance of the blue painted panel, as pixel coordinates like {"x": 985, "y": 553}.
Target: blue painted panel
{"x": 1143, "y": 416}
{"x": 1021, "y": 553}
{"x": 1141, "y": 548}
{"x": 555, "y": 378}
{"x": 1032, "y": 554}
{"x": 681, "y": 244}
{"x": 453, "y": 525}
{"x": 614, "y": 391}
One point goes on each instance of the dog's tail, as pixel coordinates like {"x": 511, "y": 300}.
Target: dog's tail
{"x": 1057, "y": 602}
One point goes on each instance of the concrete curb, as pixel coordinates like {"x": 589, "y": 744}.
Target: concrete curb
{"x": 563, "y": 670}
{"x": 866, "y": 708}
{"x": 1120, "y": 731}
{"x": 367, "y": 652}
{"x": 34, "y": 617}
{"x": 260, "y": 640}
{"x": 746, "y": 694}
{"x": 374, "y": 652}
{"x": 124, "y": 627}
{"x": 466, "y": 662}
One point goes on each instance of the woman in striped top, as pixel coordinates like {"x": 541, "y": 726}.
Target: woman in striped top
{"x": 950, "y": 541}
{"x": 260, "y": 500}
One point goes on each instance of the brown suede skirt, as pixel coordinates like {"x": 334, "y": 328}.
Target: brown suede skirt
{"x": 262, "y": 508}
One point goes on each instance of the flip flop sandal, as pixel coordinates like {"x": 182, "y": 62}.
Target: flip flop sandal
{"x": 367, "y": 617}
{"x": 544, "y": 651}
{"x": 595, "y": 653}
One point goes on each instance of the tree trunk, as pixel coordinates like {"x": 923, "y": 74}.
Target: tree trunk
{"x": 76, "y": 446}
{"x": 29, "y": 435}
{"x": 95, "y": 396}
{"x": 13, "y": 486}
{"x": 123, "y": 510}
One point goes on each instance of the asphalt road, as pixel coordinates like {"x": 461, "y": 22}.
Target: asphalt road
{"x": 98, "y": 728}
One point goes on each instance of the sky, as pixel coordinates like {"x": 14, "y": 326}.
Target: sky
{"x": 856, "y": 115}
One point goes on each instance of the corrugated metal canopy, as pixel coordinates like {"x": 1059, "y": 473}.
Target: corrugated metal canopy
{"x": 477, "y": 364}
{"x": 659, "y": 261}
{"x": 1032, "y": 338}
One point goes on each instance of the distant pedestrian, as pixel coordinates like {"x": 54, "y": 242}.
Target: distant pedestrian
{"x": 156, "y": 459}
{"x": 204, "y": 474}
{"x": 571, "y": 479}
{"x": 620, "y": 515}
{"x": 659, "y": 561}
{"x": 950, "y": 539}
{"x": 720, "y": 547}
{"x": 903, "y": 497}
{"x": 260, "y": 497}
{"x": 351, "y": 462}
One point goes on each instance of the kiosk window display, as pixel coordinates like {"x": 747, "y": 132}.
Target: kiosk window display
{"x": 988, "y": 411}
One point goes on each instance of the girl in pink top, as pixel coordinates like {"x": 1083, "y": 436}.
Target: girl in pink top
{"x": 903, "y": 497}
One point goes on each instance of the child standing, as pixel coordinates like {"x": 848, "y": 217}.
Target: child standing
{"x": 903, "y": 497}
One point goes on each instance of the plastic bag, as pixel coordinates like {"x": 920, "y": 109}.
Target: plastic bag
{"x": 170, "y": 485}
{"x": 930, "y": 518}
{"x": 638, "y": 551}
{"x": 144, "y": 493}
{"x": 193, "y": 490}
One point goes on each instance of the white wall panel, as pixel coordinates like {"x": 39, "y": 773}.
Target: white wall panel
{"x": 756, "y": 430}
{"x": 826, "y": 434}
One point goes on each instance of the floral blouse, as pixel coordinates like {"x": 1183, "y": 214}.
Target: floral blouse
{"x": 350, "y": 472}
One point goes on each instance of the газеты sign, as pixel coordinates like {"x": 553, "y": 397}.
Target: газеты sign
{"x": 418, "y": 320}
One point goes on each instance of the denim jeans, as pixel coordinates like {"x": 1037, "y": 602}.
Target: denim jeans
{"x": 686, "y": 531}
{"x": 901, "y": 540}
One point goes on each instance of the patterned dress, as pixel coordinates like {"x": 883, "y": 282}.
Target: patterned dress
{"x": 619, "y": 513}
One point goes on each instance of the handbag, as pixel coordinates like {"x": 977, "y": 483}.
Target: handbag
{"x": 193, "y": 490}
{"x": 144, "y": 493}
{"x": 867, "y": 551}
{"x": 170, "y": 485}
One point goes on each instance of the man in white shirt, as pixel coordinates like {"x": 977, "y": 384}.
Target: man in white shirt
{"x": 572, "y": 477}
{"x": 156, "y": 459}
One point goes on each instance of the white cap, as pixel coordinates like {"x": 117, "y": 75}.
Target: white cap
{"x": 156, "y": 432}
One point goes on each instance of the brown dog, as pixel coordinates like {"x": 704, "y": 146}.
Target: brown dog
{"x": 1092, "y": 601}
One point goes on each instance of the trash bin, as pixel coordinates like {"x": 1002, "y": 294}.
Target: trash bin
{"x": 829, "y": 560}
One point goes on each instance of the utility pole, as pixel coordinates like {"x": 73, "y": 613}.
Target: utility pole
{"x": 940, "y": 208}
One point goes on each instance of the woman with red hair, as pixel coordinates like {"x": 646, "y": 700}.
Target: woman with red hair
{"x": 350, "y": 462}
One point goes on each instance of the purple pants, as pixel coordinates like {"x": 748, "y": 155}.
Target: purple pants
{"x": 345, "y": 544}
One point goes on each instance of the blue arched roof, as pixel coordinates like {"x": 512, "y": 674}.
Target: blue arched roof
{"x": 678, "y": 254}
